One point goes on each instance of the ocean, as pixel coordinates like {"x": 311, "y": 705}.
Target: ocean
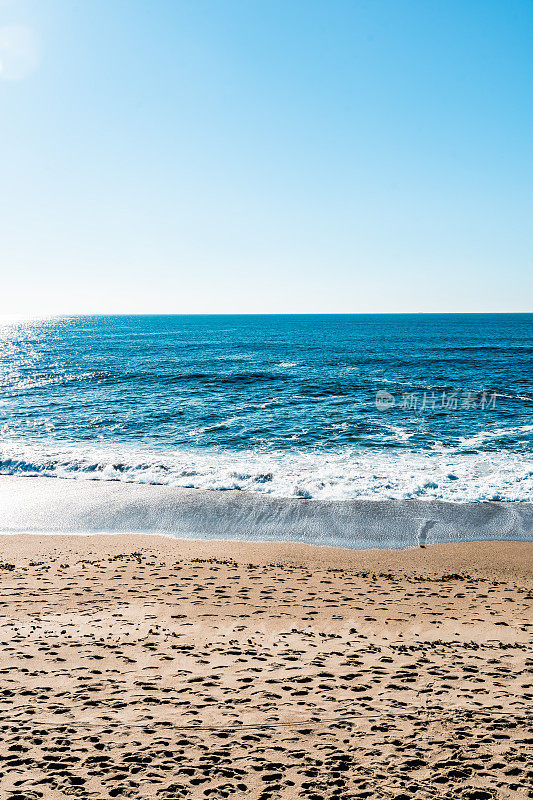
{"x": 316, "y": 407}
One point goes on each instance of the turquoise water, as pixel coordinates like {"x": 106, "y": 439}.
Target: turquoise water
{"x": 284, "y": 405}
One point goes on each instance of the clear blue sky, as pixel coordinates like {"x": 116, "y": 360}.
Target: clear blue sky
{"x": 266, "y": 156}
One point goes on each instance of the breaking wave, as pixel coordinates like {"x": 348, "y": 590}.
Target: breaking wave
{"x": 347, "y": 474}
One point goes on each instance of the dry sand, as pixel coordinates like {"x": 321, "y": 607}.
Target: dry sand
{"x": 148, "y": 667}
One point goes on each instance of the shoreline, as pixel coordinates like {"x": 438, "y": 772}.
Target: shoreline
{"x": 299, "y": 548}
{"x": 38, "y": 504}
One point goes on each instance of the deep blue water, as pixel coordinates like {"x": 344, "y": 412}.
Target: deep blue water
{"x": 281, "y": 404}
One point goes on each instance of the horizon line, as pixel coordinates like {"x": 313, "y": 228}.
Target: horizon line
{"x": 62, "y": 315}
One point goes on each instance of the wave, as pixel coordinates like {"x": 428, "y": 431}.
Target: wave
{"x": 44, "y": 506}
{"x": 346, "y": 474}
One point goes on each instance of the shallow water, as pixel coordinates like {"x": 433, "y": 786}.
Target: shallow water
{"x": 40, "y": 505}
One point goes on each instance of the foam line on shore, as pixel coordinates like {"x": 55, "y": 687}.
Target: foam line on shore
{"x": 37, "y": 505}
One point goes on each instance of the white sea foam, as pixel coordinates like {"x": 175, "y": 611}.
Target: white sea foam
{"x": 347, "y": 474}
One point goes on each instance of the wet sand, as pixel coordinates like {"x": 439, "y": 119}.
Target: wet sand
{"x": 149, "y": 667}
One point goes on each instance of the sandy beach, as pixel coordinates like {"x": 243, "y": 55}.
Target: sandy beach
{"x": 266, "y": 395}
{"x": 149, "y": 667}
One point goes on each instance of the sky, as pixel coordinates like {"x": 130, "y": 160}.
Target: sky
{"x": 265, "y": 156}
